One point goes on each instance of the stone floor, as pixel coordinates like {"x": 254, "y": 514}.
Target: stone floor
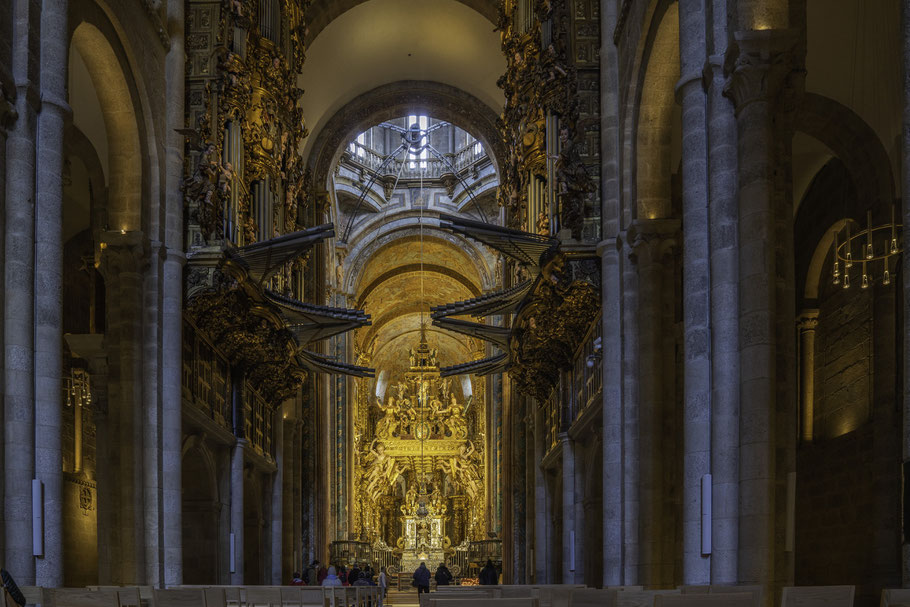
{"x": 402, "y": 598}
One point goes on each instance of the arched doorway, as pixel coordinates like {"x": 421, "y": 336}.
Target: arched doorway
{"x": 201, "y": 516}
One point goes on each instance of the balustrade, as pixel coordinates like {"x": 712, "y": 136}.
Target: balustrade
{"x": 587, "y": 373}
{"x": 206, "y": 377}
{"x": 258, "y": 417}
{"x": 469, "y": 158}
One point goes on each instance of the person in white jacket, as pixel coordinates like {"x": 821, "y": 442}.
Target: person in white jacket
{"x": 332, "y": 578}
{"x": 383, "y": 583}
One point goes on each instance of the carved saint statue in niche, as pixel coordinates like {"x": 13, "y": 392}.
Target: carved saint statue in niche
{"x": 388, "y": 424}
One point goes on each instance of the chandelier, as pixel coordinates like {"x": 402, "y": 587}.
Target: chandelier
{"x": 871, "y": 249}
{"x": 77, "y": 388}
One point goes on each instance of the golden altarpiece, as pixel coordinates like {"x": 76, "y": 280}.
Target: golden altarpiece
{"x": 419, "y": 460}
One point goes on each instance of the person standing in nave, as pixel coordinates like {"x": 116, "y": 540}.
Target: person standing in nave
{"x": 422, "y": 578}
{"x": 383, "y": 585}
{"x": 321, "y": 575}
{"x": 331, "y": 578}
{"x": 312, "y": 573}
{"x": 488, "y": 575}
{"x": 353, "y": 574}
{"x": 363, "y": 579}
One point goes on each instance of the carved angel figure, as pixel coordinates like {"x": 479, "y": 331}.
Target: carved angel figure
{"x": 381, "y": 468}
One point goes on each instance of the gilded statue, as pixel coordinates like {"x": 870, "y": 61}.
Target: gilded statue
{"x": 388, "y": 424}
{"x": 382, "y": 468}
{"x": 456, "y": 422}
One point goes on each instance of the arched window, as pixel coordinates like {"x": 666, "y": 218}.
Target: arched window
{"x": 418, "y": 158}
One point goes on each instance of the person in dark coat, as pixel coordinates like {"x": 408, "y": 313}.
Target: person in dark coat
{"x": 310, "y": 574}
{"x": 443, "y": 575}
{"x": 488, "y": 575}
{"x": 422, "y": 578}
{"x": 362, "y": 580}
{"x": 353, "y": 574}
{"x": 343, "y": 575}
{"x": 321, "y": 575}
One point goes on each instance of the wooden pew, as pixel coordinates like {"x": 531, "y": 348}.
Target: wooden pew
{"x": 755, "y": 590}
{"x": 83, "y": 597}
{"x": 728, "y": 599}
{"x": 186, "y": 597}
{"x": 312, "y": 596}
{"x": 640, "y": 598}
{"x": 478, "y": 602}
{"x": 262, "y": 596}
{"x": 593, "y": 597}
{"x": 895, "y": 596}
{"x": 214, "y": 597}
{"x": 818, "y": 596}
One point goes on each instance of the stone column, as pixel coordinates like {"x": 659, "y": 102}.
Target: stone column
{"x": 150, "y": 424}
{"x": 758, "y": 75}
{"x": 18, "y": 310}
{"x": 696, "y": 286}
{"x": 7, "y": 119}
{"x": 542, "y": 560}
{"x": 49, "y": 285}
{"x": 578, "y": 498}
{"x": 652, "y": 240}
{"x": 568, "y": 508}
{"x": 122, "y": 262}
{"x": 237, "y": 464}
{"x": 277, "y": 499}
{"x": 631, "y": 445}
{"x": 905, "y": 236}
{"x": 517, "y": 487}
{"x": 723, "y": 217}
{"x": 611, "y": 298}
{"x": 808, "y": 322}
{"x": 172, "y": 304}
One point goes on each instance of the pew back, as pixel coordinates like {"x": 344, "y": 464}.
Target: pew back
{"x": 817, "y": 596}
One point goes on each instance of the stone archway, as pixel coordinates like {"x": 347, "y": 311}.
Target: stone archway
{"x": 201, "y": 515}
{"x": 121, "y": 123}
{"x": 325, "y": 12}
{"x": 653, "y": 138}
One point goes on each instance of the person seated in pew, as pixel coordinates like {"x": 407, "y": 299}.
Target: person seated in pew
{"x": 296, "y": 580}
{"x": 331, "y": 578}
{"x": 488, "y": 575}
{"x": 443, "y": 575}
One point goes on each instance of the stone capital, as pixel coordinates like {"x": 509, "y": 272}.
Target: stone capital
{"x": 123, "y": 253}
{"x": 8, "y": 113}
{"x": 758, "y": 65}
{"x": 653, "y": 239}
{"x": 807, "y": 320}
